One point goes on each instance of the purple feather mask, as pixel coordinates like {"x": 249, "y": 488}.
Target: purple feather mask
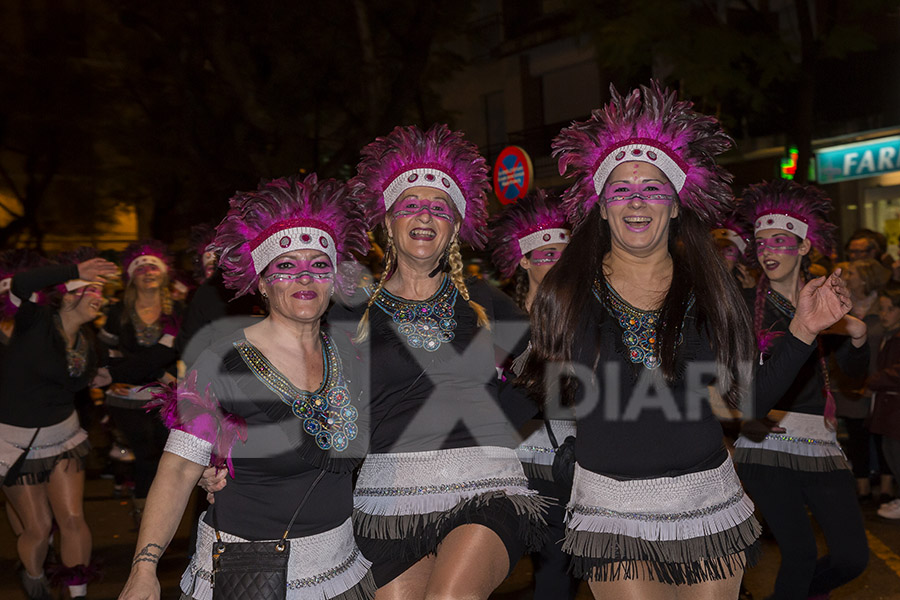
{"x": 438, "y": 158}
{"x": 648, "y": 125}
{"x": 289, "y": 214}
{"x": 534, "y": 221}
{"x": 795, "y": 208}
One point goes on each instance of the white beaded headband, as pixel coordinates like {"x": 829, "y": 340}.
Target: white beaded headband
{"x": 643, "y": 151}
{"x": 781, "y": 221}
{"x": 288, "y": 239}
{"x": 542, "y": 238}
{"x": 147, "y": 259}
{"x": 428, "y": 177}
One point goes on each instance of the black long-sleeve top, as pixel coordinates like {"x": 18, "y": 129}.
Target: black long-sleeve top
{"x": 279, "y": 461}
{"x": 36, "y": 389}
{"x": 632, "y": 424}
{"x": 805, "y": 394}
{"x": 449, "y": 398}
{"x": 140, "y": 364}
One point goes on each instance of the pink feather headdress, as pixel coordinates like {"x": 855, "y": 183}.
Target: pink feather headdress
{"x": 289, "y": 214}
{"x": 146, "y": 252}
{"x": 649, "y": 125}
{"x": 799, "y": 209}
{"x": 438, "y": 158}
{"x": 735, "y": 231}
{"x": 12, "y": 262}
{"x": 535, "y": 220}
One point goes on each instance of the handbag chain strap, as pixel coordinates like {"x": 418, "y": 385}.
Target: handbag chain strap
{"x": 282, "y": 543}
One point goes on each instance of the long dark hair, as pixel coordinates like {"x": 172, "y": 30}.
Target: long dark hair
{"x": 721, "y": 311}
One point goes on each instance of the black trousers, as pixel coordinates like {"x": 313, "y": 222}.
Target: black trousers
{"x": 551, "y": 565}
{"x": 784, "y": 496}
{"x": 147, "y": 437}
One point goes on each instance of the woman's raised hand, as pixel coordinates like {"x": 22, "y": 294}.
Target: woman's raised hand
{"x": 821, "y": 303}
{"x": 96, "y": 269}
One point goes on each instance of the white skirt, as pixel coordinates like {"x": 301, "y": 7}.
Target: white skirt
{"x": 682, "y": 530}
{"x": 325, "y": 565}
{"x": 537, "y": 453}
{"x": 806, "y": 445}
{"x": 54, "y": 443}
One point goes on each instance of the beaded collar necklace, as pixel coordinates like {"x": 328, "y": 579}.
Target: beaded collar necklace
{"x": 638, "y": 326}
{"x": 326, "y": 413}
{"x": 425, "y": 323}
{"x": 76, "y": 356}
{"x": 146, "y": 334}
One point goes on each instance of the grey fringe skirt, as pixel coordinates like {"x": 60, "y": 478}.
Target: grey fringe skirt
{"x": 406, "y": 503}
{"x": 677, "y": 530}
{"x": 64, "y": 440}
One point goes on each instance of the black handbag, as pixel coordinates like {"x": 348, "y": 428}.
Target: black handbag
{"x": 253, "y": 569}
{"x": 563, "y": 467}
{"x": 13, "y": 472}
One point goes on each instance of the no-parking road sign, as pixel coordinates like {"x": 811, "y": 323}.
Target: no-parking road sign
{"x": 513, "y": 174}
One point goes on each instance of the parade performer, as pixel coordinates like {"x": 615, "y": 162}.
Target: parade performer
{"x": 141, "y": 329}
{"x": 442, "y": 503}
{"x": 527, "y": 239}
{"x": 639, "y": 316}
{"x": 275, "y": 403}
{"x": 52, "y": 356}
{"x": 732, "y": 240}
{"x": 799, "y": 466}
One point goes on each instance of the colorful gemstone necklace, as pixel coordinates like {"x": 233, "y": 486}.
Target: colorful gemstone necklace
{"x": 77, "y": 355}
{"x": 638, "y": 326}
{"x": 427, "y": 323}
{"x": 327, "y": 414}
{"x": 782, "y": 304}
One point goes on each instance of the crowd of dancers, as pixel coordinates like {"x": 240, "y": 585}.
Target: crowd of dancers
{"x": 414, "y": 434}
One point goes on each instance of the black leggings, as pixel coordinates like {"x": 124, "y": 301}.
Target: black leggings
{"x": 147, "y": 437}
{"x": 783, "y": 497}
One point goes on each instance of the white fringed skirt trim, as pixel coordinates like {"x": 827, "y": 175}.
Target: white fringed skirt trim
{"x": 399, "y": 494}
{"x": 325, "y": 565}
{"x": 54, "y": 443}
{"x": 806, "y": 445}
{"x": 537, "y": 452}
{"x": 679, "y": 530}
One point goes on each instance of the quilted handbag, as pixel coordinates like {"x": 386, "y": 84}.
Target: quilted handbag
{"x": 253, "y": 569}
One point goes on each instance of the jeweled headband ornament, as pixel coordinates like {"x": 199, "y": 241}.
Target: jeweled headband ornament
{"x": 438, "y": 158}
{"x": 789, "y": 206}
{"x": 648, "y": 125}
{"x": 284, "y": 215}
{"x": 534, "y": 221}
{"x": 147, "y": 252}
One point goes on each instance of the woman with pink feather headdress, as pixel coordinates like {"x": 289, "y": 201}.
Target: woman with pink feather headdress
{"x": 637, "y": 319}
{"x": 732, "y": 241}
{"x": 527, "y": 239}
{"x": 276, "y": 404}
{"x": 442, "y": 504}
{"x": 141, "y": 331}
{"x": 51, "y": 357}
{"x": 791, "y": 462}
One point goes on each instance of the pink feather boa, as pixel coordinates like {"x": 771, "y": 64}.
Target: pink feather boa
{"x": 183, "y": 407}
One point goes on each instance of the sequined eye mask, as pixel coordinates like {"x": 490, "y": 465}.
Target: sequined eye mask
{"x": 410, "y": 207}
{"x": 651, "y": 193}
{"x": 545, "y": 257}
{"x": 779, "y": 244}
{"x": 317, "y": 269}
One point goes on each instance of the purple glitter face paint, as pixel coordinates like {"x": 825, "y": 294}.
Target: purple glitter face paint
{"x": 412, "y": 206}
{"x": 778, "y": 244}
{"x": 545, "y": 257}
{"x": 318, "y": 269}
{"x": 651, "y": 192}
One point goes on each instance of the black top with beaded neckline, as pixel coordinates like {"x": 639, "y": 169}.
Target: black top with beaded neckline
{"x": 418, "y": 396}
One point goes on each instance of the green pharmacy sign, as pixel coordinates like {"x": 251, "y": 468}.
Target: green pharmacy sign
{"x": 860, "y": 159}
